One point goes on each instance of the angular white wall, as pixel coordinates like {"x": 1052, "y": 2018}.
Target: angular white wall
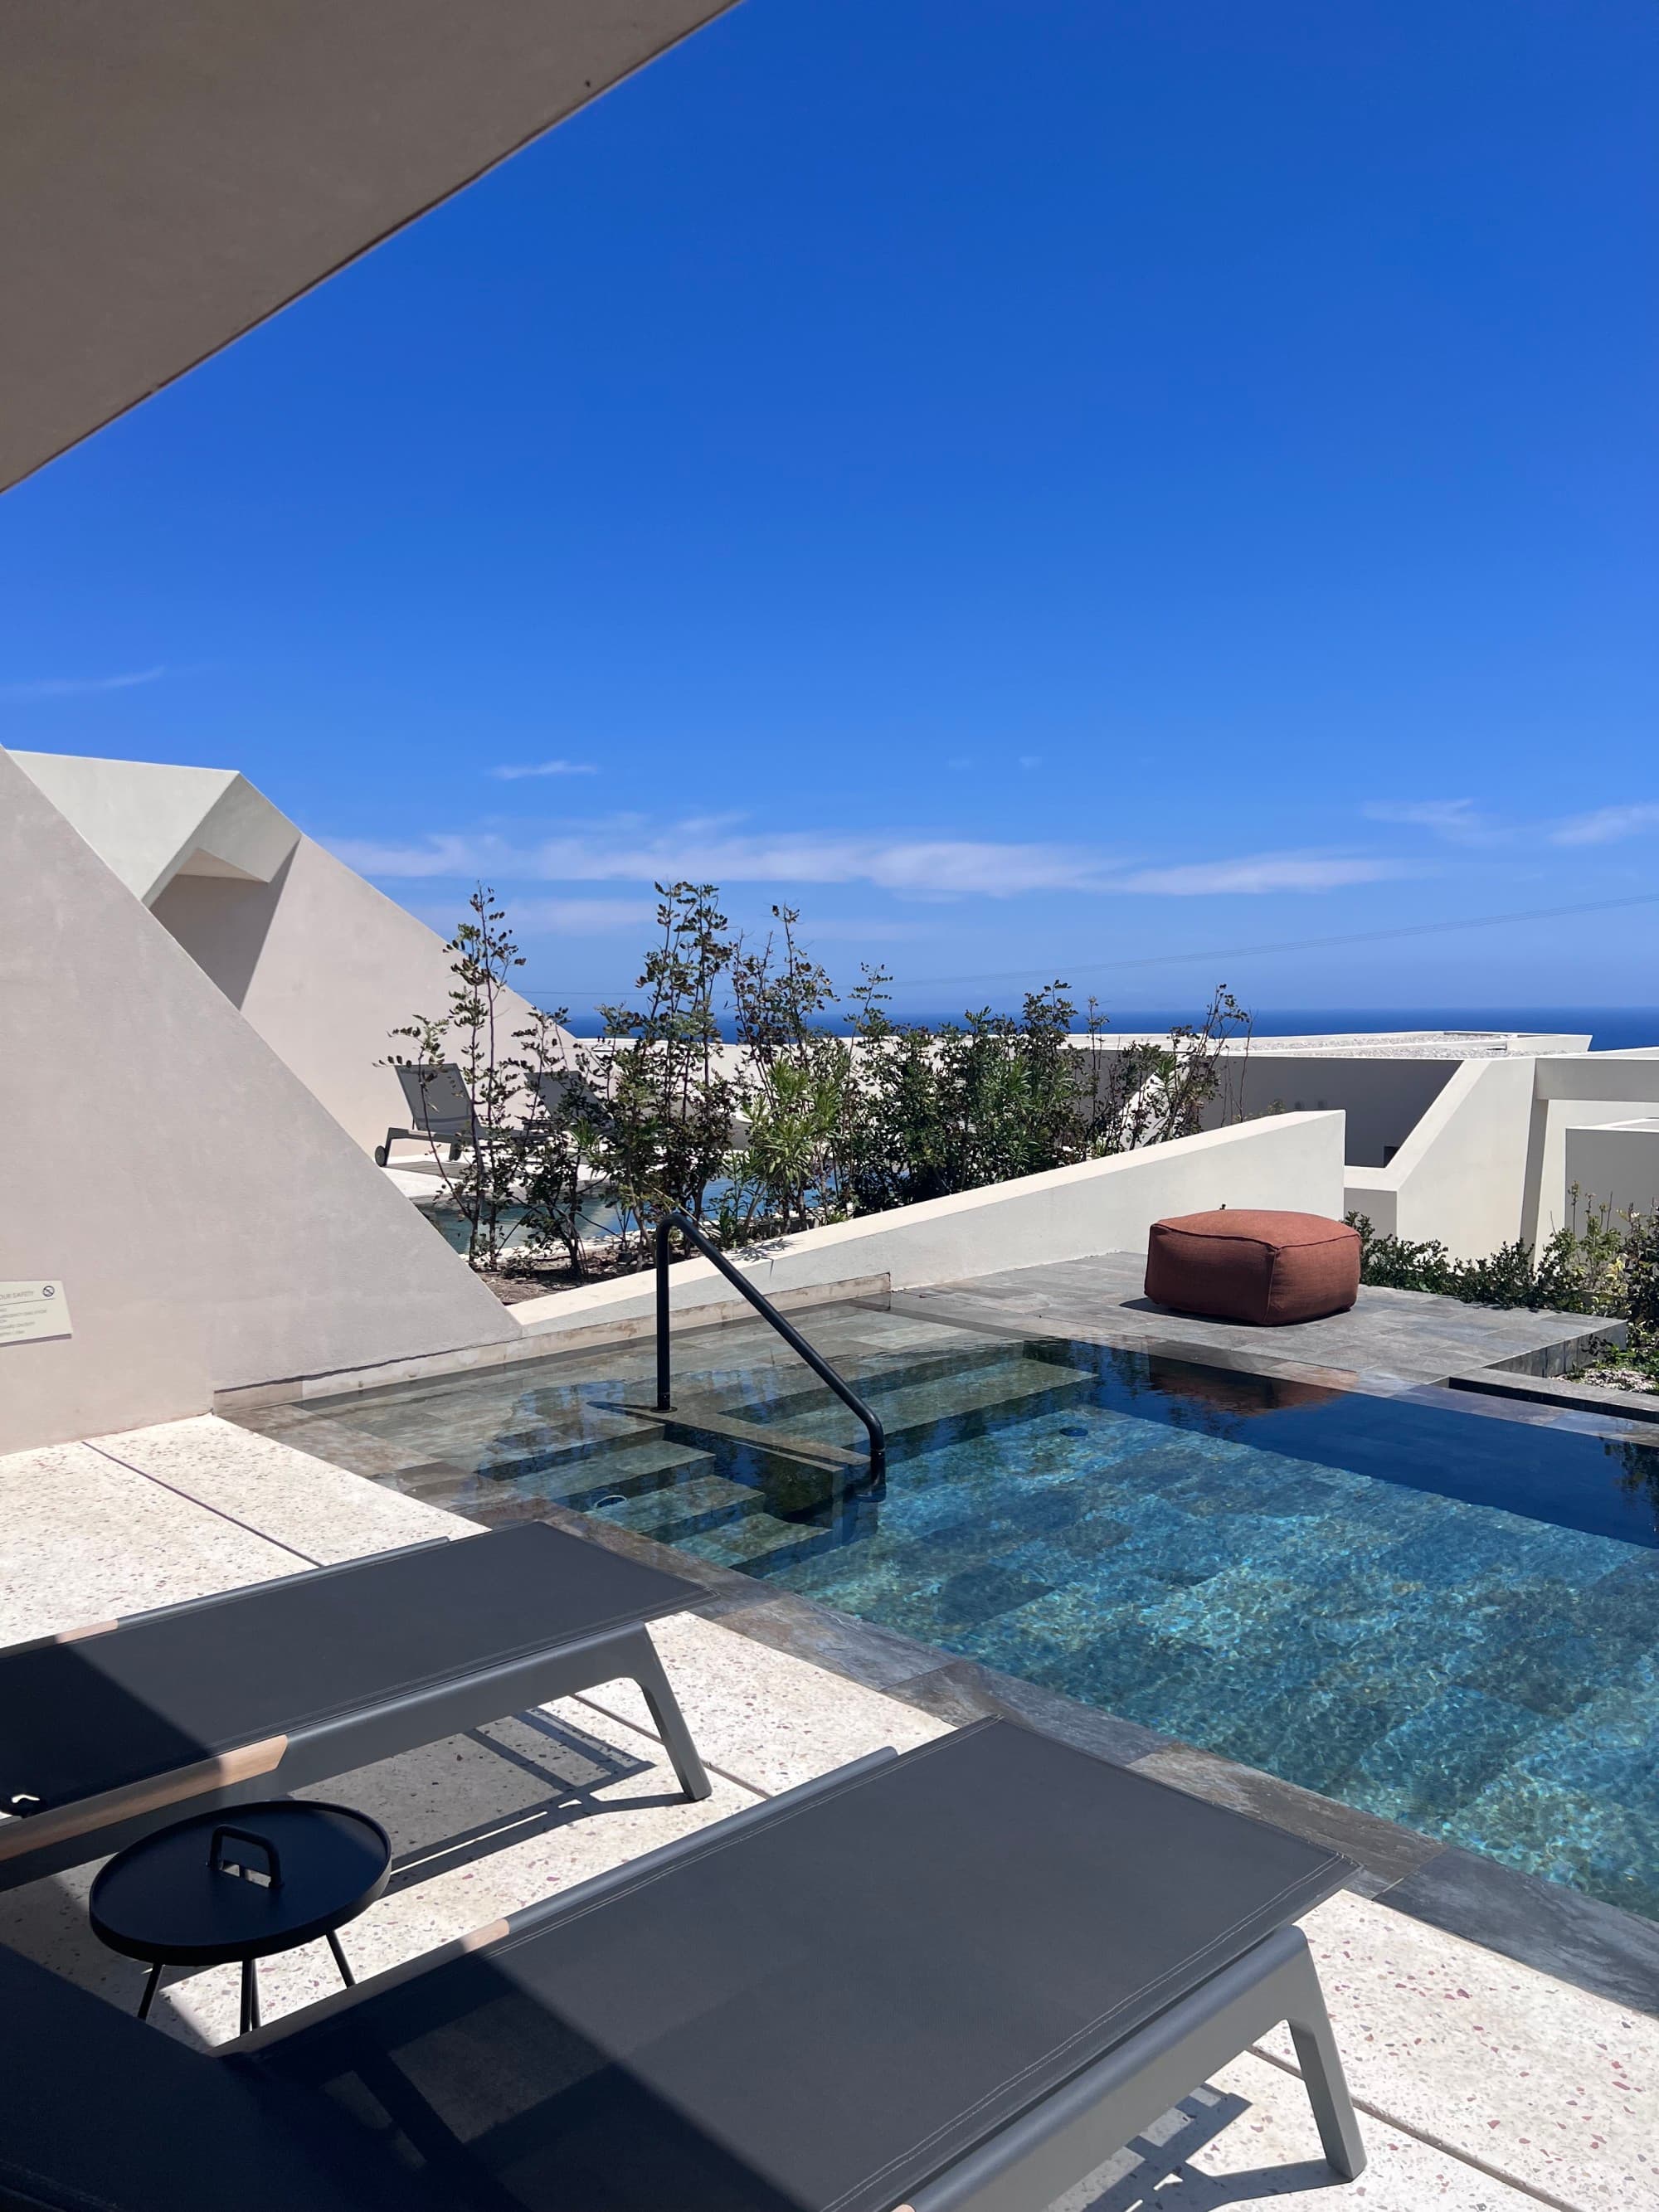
{"x": 213, "y": 1225}
{"x": 321, "y": 964}
{"x": 1461, "y": 1175}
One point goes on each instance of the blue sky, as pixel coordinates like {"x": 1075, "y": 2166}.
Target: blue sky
{"x": 1047, "y": 486}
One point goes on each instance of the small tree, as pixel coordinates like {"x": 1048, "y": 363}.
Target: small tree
{"x": 665, "y": 1107}
{"x": 473, "y": 1032}
{"x": 1160, "y": 1090}
{"x": 793, "y": 1089}
{"x": 560, "y": 1136}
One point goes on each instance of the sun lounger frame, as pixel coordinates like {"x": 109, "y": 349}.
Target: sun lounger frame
{"x": 89, "y": 1828}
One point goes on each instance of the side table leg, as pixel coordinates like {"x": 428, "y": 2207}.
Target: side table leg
{"x": 346, "y": 1974}
{"x": 150, "y": 1987}
{"x": 249, "y": 1996}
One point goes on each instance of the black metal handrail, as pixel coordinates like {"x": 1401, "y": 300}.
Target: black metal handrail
{"x": 768, "y": 1312}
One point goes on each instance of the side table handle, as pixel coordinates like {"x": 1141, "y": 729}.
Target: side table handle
{"x": 220, "y": 1865}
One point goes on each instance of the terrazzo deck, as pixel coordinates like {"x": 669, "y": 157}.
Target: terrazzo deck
{"x": 1488, "y": 2087}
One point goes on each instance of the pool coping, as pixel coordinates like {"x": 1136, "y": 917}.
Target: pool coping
{"x": 470, "y": 1359}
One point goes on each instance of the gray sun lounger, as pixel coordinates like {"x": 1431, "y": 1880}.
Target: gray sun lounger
{"x": 113, "y": 1730}
{"x": 957, "y": 1981}
{"x": 440, "y": 1109}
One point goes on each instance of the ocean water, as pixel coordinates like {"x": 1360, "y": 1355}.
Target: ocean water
{"x": 1610, "y": 1029}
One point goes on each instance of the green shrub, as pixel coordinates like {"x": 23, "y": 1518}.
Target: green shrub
{"x": 1607, "y": 1267}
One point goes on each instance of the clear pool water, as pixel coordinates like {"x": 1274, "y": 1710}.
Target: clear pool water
{"x": 1446, "y": 1618}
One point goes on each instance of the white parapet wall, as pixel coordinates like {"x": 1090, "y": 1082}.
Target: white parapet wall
{"x": 1291, "y": 1162}
{"x": 1576, "y": 1092}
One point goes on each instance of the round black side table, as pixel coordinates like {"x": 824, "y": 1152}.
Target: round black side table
{"x": 240, "y": 1885}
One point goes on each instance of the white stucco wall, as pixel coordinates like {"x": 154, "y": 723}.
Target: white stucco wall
{"x": 1383, "y": 1099}
{"x": 213, "y": 1225}
{"x": 1617, "y": 1163}
{"x": 1581, "y": 1090}
{"x": 323, "y": 965}
{"x": 1461, "y": 1174}
{"x": 147, "y": 820}
{"x": 1293, "y": 1161}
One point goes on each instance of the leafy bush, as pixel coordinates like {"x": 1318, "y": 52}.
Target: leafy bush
{"x": 1610, "y": 1265}
{"x": 805, "y": 1126}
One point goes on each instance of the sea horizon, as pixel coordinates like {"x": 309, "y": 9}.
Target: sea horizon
{"x": 1610, "y": 1029}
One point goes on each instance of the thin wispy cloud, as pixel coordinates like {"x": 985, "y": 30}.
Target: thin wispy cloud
{"x": 1266, "y": 871}
{"x": 627, "y": 850}
{"x": 1456, "y": 820}
{"x": 713, "y": 851}
{"x": 1608, "y": 825}
{"x": 580, "y": 917}
{"x": 512, "y": 773}
{"x": 79, "y": 687}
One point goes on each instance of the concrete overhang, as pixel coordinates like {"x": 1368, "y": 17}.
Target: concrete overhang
{"x": 172, "y": 173}
{"x": 149, "y": 823}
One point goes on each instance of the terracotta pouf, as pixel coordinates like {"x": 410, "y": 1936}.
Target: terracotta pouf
{"x": 1252, "y": 1266}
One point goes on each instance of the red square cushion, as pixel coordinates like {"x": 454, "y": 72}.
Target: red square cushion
{"x": 1254, "y": 1265}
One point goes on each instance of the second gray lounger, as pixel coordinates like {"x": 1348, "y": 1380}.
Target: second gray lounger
{"x": 956, "y": 1981}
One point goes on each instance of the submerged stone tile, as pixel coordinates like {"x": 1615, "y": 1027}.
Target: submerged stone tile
{"x": 1437, "y": 1760}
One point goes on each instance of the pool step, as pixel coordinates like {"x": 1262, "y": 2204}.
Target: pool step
{"x": 709, "y": 1424}
{"x": 685, "y": 1508}
{"x": 531, "y": 1452}
{"x": 759, "y": 1541}
{"x": 908, "y": 1409}
{"x": 878, "y": 1376}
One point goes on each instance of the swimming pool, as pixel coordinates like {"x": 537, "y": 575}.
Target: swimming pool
{"x": 1442, "y": 1616}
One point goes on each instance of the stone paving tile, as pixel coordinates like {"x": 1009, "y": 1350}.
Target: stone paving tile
{"x": 1573, "y": 1938}
{"x": 481, "y": 1825}
{"x": 1403, "y": 1335}
{"x": 1557, "y": 2089}
{"x": 1247, "y": 2137}
{"x": 879, "y": 1658}
{"x": 82, "y": 1541}
{"x": 319, "y": 1509}
{"x": 765, "y": 1718}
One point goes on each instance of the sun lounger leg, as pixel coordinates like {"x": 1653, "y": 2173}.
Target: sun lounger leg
{"x": 1320, "y": 2063}
{"x": 670, "y": 1722}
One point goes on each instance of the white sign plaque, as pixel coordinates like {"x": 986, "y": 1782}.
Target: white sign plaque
{"x": 30, "y": 1311}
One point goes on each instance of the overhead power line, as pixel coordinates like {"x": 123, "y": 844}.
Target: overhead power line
{"x": 1238, "y": 952}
